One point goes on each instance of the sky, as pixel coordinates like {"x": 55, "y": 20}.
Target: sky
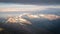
{"x": 32, "y": 1}
{"x": 27, "y": 5}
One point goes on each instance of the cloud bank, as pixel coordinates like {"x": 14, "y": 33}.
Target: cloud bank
{"x": 21, "y": 7}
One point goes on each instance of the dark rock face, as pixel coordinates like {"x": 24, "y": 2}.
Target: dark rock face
{"x": 37, "y": 27}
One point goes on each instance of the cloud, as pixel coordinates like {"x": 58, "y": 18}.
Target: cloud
{"x": 20, "y": 7}
{"x": 5, "y": 8}
{"x": 47, "y": 16}
{"x": 28, "y": 15}
{"x": 50, "y": 16}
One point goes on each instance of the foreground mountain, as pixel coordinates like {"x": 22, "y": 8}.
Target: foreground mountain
{"x": 32, "y": 24}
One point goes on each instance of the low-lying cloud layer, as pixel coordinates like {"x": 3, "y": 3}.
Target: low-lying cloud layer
{"x": 19, "y": 7}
